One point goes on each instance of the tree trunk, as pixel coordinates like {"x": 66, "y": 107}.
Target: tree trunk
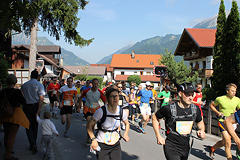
{"x": 33, "y": 47}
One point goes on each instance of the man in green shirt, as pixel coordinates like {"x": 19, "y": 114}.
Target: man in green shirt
{"x": 165, "y": 96}
{"x": 227, "y": 105}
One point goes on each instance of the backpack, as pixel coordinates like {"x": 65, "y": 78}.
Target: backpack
{"x": 104, "y": 116}
{"x": 173, "y": 109}
{"x": 6, "y": 110}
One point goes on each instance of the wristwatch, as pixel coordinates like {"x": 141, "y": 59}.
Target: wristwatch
{"x": 93, "y": 138}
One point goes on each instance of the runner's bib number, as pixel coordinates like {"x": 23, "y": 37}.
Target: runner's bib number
{"x": 120, "y": 102}
{"x": 166, "y": 99}
{"x": 184, "y": 127}
{"x": 145, "y": 105}
{"x": 93, "y": 105}
{"x": 67, "y": 102}
{"x": 110, "y": 138}
{"x": 54, "y": 92}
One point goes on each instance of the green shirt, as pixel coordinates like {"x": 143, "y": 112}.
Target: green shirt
{"x": 166, "y": 99}
{"x": 227, "y": 106}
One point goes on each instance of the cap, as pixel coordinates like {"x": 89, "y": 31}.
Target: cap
{"x": 148, "y": 83}
{"x": 187, "y": 87}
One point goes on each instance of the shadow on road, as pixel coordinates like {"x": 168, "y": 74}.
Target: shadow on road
{"x": 126, "y": 156}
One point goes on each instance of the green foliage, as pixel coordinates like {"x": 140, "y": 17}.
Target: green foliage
{"x": 3, "y": 69}
{"x": 134, "y": 78}
{"x": 218, "y": 65}
{"x": 208, "y": 94}
{"x": 81, "y": 77}
{"x": 178, "y": 72}
{"x": 55, "y": 17}
{"x": 100, "y": 80}
{"x": 227, "y": 49}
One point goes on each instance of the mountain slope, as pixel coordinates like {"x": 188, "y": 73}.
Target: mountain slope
{"x": 69, "y": 58}
{"x": 108, "y": 59}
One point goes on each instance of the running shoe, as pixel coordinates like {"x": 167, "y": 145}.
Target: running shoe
{"x": 65, "y": 135}
{"x": 136, "y": 120}
{"x": 211, "y": 152}
{"x": 142, "y": 130}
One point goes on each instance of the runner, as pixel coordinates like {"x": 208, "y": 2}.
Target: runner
{"x": 138, "y": 103}
{"x": 180, "y": 117}
{"x": 152, "y": 102}
{"x": 132, "y": 104}
{"x": 165, "y": 96}
{"x": 78, "y": 87}
{"x": 107, "y": 137}
{"x": 83, "y": 89}
{"x": 227, "y": 105}
{"x": 229, "y": 123}
{"x": 92, "y": 96}
{"x": 123, "y": 100}
{"x": 146, "y": 94}
{"x": 69, "y": 97}
{"x": 53, "y": 89}
{"x": 197, "y": 100}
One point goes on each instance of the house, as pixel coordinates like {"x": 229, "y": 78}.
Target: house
{"x": 109, "y": 76}
{"x": 125, "y": 65}
{"x": 88, "y": 70}
{"x": 196, "y": 46}
{"x": 48, "y": 59}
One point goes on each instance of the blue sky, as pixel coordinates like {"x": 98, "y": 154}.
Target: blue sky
{"x": 117, "y": 23}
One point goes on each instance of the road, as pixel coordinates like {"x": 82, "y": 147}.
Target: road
{"x": 140, "y": 146}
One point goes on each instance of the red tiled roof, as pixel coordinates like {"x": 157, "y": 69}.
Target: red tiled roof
{"x": 109, "y": 68}
{"x": 202, "y": 37}
{"x": 139, "y": 60}
{"x": 144, "y": 78}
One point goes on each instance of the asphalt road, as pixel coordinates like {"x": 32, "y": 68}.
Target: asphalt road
{"x": 140, "y": 146}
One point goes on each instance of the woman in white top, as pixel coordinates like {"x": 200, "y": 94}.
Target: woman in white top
{"x": 108, "y": 135}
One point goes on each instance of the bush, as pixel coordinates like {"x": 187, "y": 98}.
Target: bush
{"x": 134, "y": 78}
{"x": 81, "y": 77}
{"x": 208, "y": 94}
{"x": 100, "y": 80}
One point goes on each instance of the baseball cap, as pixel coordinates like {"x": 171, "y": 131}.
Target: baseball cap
{"x": 187, "y": 87}
{"x": 148, "y": 83}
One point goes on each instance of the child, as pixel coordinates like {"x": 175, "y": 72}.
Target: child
{"x": 132, "y": 102}
{"x": 48, "y": 128}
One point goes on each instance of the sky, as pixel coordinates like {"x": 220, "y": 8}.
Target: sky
{"x": 115, "y": 24}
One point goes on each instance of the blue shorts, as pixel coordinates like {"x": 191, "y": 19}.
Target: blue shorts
{"x": 221, "y": 126}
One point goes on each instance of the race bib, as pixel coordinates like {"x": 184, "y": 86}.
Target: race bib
{"x": 184, "y": 127}
{"x": 145, "y": 105}
{"x": 199, "y": 99}
{"x": 166, "y": 99}
{"x": 93, "y": 105}
{"x": 67, "y": 102}
{"x": 120, "y": 102}
{"x": 110, "y": 138}
{"x": 54, "y": 92}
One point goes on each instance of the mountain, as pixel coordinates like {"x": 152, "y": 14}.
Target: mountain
{"x": 210, "y": 23}
{"x": 69, "y": 58}
{"x": 108, "y": 59}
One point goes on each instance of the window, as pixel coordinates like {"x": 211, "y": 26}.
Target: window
{"x": 151, "y": 63}
{"x": 135, "y": 73}
{"x": 148, "y": 73}
{"x": 122, "y": 73}
{"x": 141, "y": 72}
{"x": 204, "y": 64}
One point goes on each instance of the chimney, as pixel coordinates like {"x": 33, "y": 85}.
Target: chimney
{"x": 133, "y": 56}
{"x": 61, "y": 62}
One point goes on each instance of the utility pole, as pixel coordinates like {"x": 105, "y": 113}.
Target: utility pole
{"x": 33, "y": 47}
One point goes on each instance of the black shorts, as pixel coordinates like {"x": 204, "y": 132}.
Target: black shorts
{"x": 109, "y": 151}
{"x": 66, "y": 110}
{"x": 176, "y": 152}
{"x": 152, "y": 105}
{"x": 53, "y": 98}
{"x": 132, "y": 110}
{"x": 87, "y": 114}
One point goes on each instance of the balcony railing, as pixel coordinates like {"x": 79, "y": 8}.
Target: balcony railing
{"x": 205, "y": 73}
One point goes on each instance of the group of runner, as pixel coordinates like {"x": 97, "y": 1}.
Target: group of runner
{"x": 120, "y": 103}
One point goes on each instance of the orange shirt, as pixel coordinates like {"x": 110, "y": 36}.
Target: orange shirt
{"x": 68, "y": 95}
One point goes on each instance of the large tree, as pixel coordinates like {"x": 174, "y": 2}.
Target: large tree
{"x": 178, "y": 72}
{"x": 218, "y": 66}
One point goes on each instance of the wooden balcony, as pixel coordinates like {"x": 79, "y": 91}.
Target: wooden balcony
{"x": 205, "y": 73}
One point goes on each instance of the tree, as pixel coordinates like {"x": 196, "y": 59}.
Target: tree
{"x": 3, "y": 68}
{"x": 178, "y": 72}
{"x": 218, "y": 65}
{"x": 134, "y": 78}
{"x": 81, "y": 77}
{"x": 100, "y": 80}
